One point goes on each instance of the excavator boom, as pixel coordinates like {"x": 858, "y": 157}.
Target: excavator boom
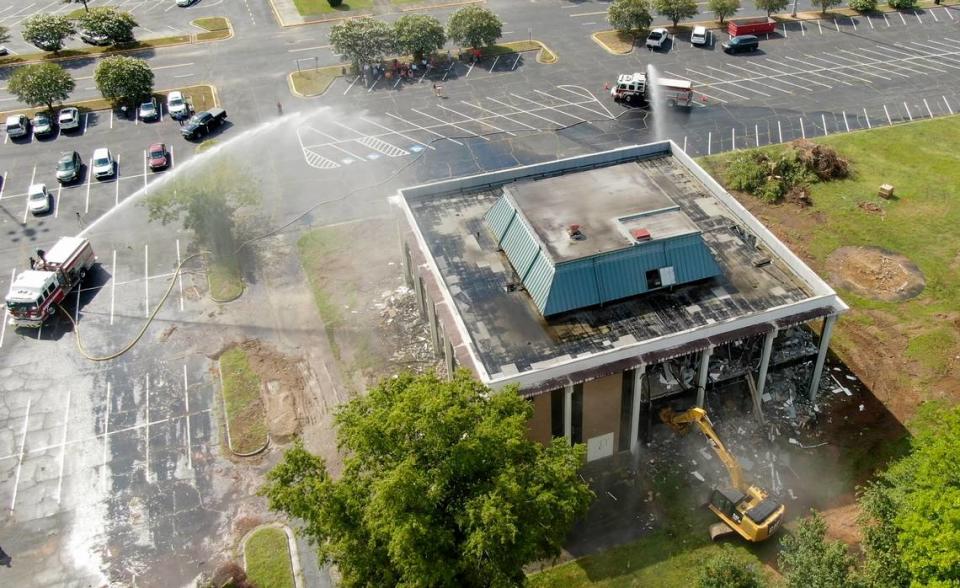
{"x": 678, "y": 421}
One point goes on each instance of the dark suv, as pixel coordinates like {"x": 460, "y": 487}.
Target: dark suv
{"x": 741, "y": 43}
{"x": 202, "y": 123}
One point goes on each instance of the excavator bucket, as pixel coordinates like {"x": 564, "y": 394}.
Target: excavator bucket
{"x": 718, "y": 530}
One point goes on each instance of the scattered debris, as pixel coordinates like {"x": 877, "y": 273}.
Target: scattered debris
{"x": 697, "y": 475}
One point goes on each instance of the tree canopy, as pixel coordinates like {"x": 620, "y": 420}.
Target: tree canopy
{"x": 723, "y": 8}
{"x": 418, "y": 34}
{"x": 48, "y": 31}
{"x": 474, "y": 26}
{"x": 362, "y": 40}
{"x": 440, "y": 487}
{"x": 124, "y": 79}
{"x": 41, "y": 84}
{"x": 676, "y": 10}
{"x": 825, "y": 4}
{"x": 771, "y": 6}
{"x": 4, "y": 34}
{"x": 808, "y": 560}
{"x": 630, "y": 16}
{"x": 727, "y": 569}
{"x": 108, "y": 21}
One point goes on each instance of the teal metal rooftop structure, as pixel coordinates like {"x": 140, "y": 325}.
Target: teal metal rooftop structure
{"x": 589, "y": 238}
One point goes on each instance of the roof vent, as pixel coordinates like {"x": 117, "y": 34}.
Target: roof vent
{"x": 640, "y": 234}
{"x": 575, "y": 234}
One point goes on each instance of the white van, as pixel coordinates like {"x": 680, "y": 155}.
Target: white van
{"x": 18, "y": 125}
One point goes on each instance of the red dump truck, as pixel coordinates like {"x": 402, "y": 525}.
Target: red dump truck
{"x": 35, "y": 293}
{"x": 751, "y": 26}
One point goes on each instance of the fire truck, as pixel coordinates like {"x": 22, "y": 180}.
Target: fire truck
{"x": 633, "y": 88}
{"x": 35, "y": 293}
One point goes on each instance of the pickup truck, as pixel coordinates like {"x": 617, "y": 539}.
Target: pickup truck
{"x": 202, "y": 123}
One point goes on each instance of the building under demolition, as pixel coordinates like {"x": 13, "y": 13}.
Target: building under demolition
{"x": 604, "y": 284}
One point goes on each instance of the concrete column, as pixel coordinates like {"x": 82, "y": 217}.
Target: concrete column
{"x": 568, "y": 413}
{"x": 407, "y": 262}
{"x": 702, "y": 375}
{"x": 762, "y": 376}
{"x": 432, "y": 315}
{"x": 825, "y": 334}
{"x": 635, "y": 408}
{"x": 421, "y": 295}
{"x": 448, "y": 358}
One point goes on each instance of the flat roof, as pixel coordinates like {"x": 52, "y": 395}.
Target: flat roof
{"x": 504, "y": 337}
{"x": 606, "y": 203}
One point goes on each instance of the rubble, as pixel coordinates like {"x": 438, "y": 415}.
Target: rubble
{"x": 408, "y": 332}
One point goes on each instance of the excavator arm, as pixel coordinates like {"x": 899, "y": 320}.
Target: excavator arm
{"x": 679, "y": 421}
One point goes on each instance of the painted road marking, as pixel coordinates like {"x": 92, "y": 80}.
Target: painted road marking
{"x": 113, "y": 284}
{"x": 887, "y": 112}
{"x": 949, "y": 108}
{"x": 390, "y": 114}
{"x": 63, "y": 440}
{"x": 23, "y": 443}
{"x": 930, "y": 112}
{"x": 398, "y": 133}
{"x": 866, "y": 117}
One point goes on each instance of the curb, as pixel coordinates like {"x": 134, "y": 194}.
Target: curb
{"x": 229, "y": 28}
{"x": 285, "y": 24}
{"x": 293, "y": 552}
{"x": 80, "y": 104}
{"x": 606, "y": 48}
{"x": 243, "y": 288}
{"x": 226, "y": 423}
{"x": 293, "y": 89}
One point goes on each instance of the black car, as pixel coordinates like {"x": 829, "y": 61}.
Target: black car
{"x": 202, "y": 123}
{"x": 68, "y": 168}
{"x": 741, "y": 43}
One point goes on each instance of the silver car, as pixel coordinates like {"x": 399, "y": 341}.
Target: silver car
{"x": 69, "y": 118}
{"x": 38, "y": 199}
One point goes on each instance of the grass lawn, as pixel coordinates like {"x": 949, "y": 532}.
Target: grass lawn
{"x": 615, "y": 42}
{"x": 314, "y": 82}
{"x": 313, "y": 7}
{"x": 225, "y": 281}
{"x": 244, "y": 408}
{"x": 268, "y": 559}
{"x": 211, "y": 23}
{"x": 909, "y": 346}
{"x": 315, "y": 248}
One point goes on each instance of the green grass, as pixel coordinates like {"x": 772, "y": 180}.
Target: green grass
{"x": 314, "y": 7}
{"x": 268, "y": 559}
{"x": 206, "y": 145}
{"x": 314, "y": 82}
{"x": 244, "y": 408}
{"x": 226, "y": 284}
{"x": 315, "y": 247}
{"x": 212, "y": 23}
{"x": 922, "y": 161}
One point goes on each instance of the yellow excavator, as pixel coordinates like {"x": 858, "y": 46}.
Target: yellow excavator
{"x": 743, "y": 508}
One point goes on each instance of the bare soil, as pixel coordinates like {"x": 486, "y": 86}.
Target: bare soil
{"x": 283, "y": 386}
{"x": 875, "y": 273}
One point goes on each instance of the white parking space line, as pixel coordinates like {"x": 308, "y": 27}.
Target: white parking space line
{"x": 144, "y": 172}
{"x": 106, "y": 428}
{"x": 180, "y": 283}
{"x": 6, "y": 311}
{"x": 699, "y": 83}
{"x": 116, "y": 181}
{"x": 146, "y": 282}
{"x": 917, "y": 14}
{"x": 26, "y": 205}
{"x": 390, "y": 114}
{"x": 23, "y": 443}
{"x": 684, "y": 143}
{"x": 949, "y": 108}
{"x": 887, "y": 112}
{"x": 944, "y": 58}
{"x": 567, "y": 102}
{"x": 886, "y": 57}
{"x": 874, "y": 60}
{"x": 823, "y": 118}
{"x": 516, "y": 61}
{"x": 803, "y": 131}
{"x": 861, "y": 65}
{"x": 779, "y": 132}
{"x": 819, "y": 27}
{"x": 498, "y": 115}
{"x": 709, "y": 142}
{"x": 752, "y": 72}
{"x": 832, "y": 67}
{"x": 886, "y": 20}
{"x": 902, "y": 19}
{"x": 398, "y": 133}
{"x": 63, "y": 442}
{"x": 470, "y": 69}
{"x": 113, "y": 284}
{"x": 521, "y": 111}
{"x": 870, "y": 22}
{"x": 334, "y": 143}
{"x": 351, "y": 85}
{"x": 450, "y": 124}
{"x": 494, "y": 64}
{"x": 930, "y": 112}
{"x": 866, "y": 117}
{"x": 56, "y": 203}
{"x": 947, "y": 10}
{"x": 589, "y": 98}
{"x": 854, "y": 23}
{"x": 934, "y": 15}
{"x": 907, "y": 108}
{"x": 186, "y": 400}
{"x": 3, "y": 186}
{"x": 147, "y": 427}
{"x": 477, "y": 120}
{"x": 845, "y": 123}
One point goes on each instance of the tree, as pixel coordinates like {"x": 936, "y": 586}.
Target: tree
{"x": 676, "y": 10}
{"x": 912, "y": 536}
{"x": 48, "y": 31}
{"x": 723, "y": 8}
{"x": 902, "y": 4}
{"x": 440, "y": 487}
{"x": 110, "y": 22}
{"x": 418, "y": 35}
{"x": 825, "y": 4}
{"x": 41, "y": 84}
{"x": 362, "y": 40}
{"x": 4, "y": 34}
{"x": 771, "y": 6}
{"x": 863, "y": 5}
{"x": 727, "y": 569}
{"x": 630, "y": 16}
{"x": 808, "y": 560}
{"x": 474, "y": 26}
{"x": 124, "y": 79}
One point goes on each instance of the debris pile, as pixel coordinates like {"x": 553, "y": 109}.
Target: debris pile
{"x": 407, "y": 331}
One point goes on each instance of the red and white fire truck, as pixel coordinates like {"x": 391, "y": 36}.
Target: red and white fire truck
{"x": 633, "y": 88}
{"x": 35, "y": 293}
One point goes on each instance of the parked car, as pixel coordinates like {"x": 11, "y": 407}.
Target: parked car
{"x": 18, "y": 125}
{"x": 42, "y": 125}
{"x": 103, "y": 166}
{"x": 149, "y": 111}
{"x": 3, "y": 50}
{"x": 177, "y": 106}
{"x": 69, "y": 118}
{"x": 699, "y": 36}
{"x": 92, "y": 38}
{"x": 185, "y": 3}
{"x": 202, "y": 123}
{"x": 38, "y": 199}
{"x": 657, "y": 38}
{"x": 741, "y": 43}
{"x": 157, "y": 156}
{"x": 68, "y": 168}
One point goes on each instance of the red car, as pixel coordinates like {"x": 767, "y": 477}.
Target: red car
{"x": 157, "y": 156}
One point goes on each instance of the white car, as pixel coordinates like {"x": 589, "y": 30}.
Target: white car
{"x": 69, "y": 118}
{"x": 38, "y": 199}
{"x": 102, "y": 163}
{"x": 185, "y": 3}
{"x": 657, "y": 38}
{"x": 18, "y": 125}
{"x": 176, "y": 105}
{"x": 699, "y": 36}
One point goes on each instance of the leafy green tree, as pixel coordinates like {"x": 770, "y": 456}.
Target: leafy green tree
{"x": 863, "y": 5}
{"x": 676, "y": 10}
{"x": 902, "y": 4}
{"x": 808, "y": 560}
{"x": 917, "y": 502}
{"x": 825, "y": 4}
{"x": 4, "y": 34}
{"x": 362, "y": 40}
{"x": 41, "y": 84}
{"x": 440, "y": 487}
{"x": 123, "y": 79}
{"x": 474, "y": 26}
{"x": 727, "y": 569}
{"x": 48, "y": 31}
{"x": 418, "y": 34}
{"x": 723, "y": 8}
{"x": 110, "y": 22}
{"x": 771, "y": 6}
{"x": 630, "y": 16}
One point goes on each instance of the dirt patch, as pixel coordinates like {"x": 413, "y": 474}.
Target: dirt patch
{"x": 870, "y": 207}
{"x": 842, "y": 523}
{"x": 875, "y": 273}
{"x": 282, "y": 387}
